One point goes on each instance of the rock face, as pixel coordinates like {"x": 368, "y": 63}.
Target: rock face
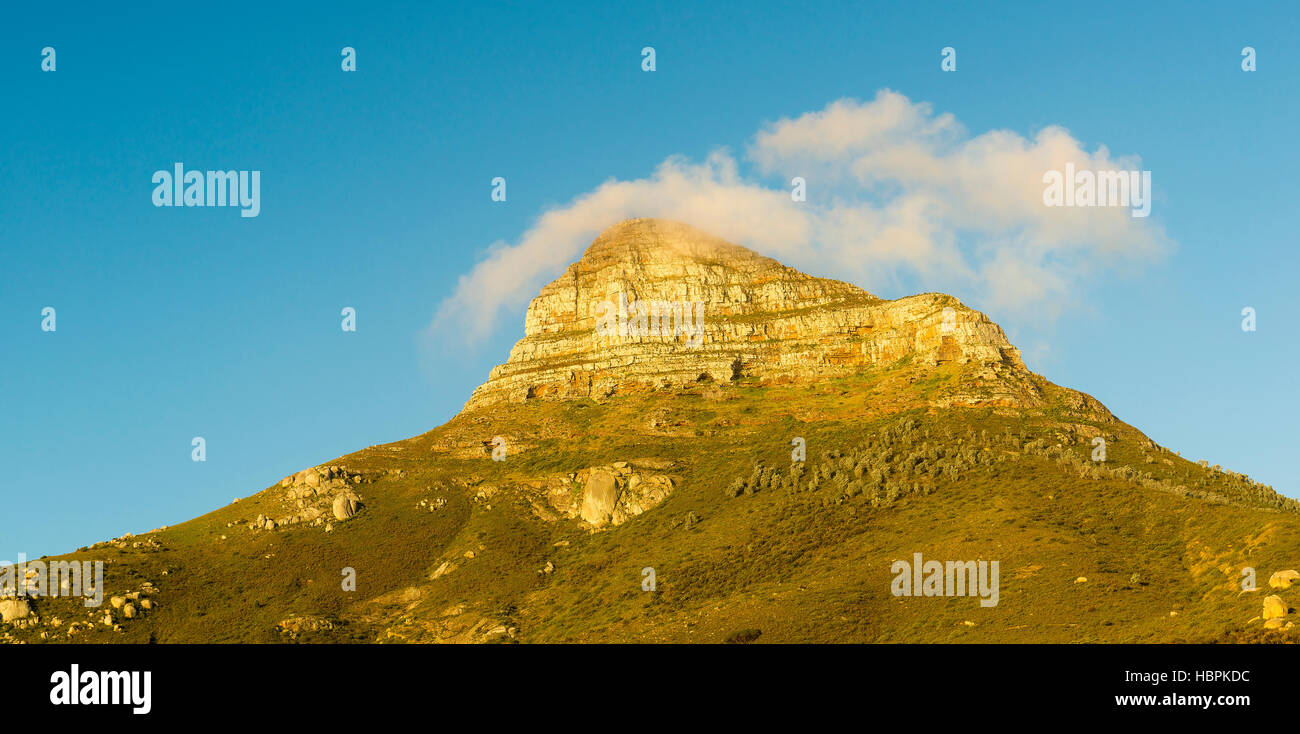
{"x": 600, "y": 496}
{"x": 654, "y": 303}
{"x": 610, "y": 494}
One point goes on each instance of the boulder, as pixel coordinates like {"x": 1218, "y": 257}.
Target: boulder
{"x": 599, "y": 497}
{"x": 643, "y": 491}
{"x": 1274, "y": 607}
{"x": 345, "y": 506}
{"x": 293, "y": 626}
{"x": 1284, "y": 579}
{"x": 14, "y": 609}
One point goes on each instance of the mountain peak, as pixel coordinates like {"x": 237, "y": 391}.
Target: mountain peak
{"x": 653, "y": 239}
{"x": 653, "y": 252}
{"x": 658, "y": 304}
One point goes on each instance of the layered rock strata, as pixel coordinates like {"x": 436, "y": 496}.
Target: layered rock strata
{"x": 655, "y": 304}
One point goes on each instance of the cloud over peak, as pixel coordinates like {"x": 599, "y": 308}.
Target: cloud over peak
{"x": 898, "y": 197}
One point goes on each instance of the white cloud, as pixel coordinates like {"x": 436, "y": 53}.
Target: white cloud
{"x": 898, "y": 198}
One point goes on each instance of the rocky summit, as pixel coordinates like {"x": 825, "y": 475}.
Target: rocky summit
{"x": 695, "y": 443}
{"x": 622, "y": 319}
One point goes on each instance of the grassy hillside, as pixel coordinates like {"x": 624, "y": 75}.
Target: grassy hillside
{"x": 452, "y": 546}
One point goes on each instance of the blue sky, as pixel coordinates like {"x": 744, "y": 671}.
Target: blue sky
{"x": 183, "y": 322}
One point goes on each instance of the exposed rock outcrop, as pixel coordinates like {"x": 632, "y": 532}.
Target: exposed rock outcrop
{"x": 345, "y": 506}
{"x": 14, "y": 609}
{"x": 599, "y": 497}
{"x": 611, "y": 494}
{"x": 624, "y": 318}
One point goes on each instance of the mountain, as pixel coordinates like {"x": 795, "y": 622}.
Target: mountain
{"x": 763, "y": 320}
{"x": 695, "y": 443}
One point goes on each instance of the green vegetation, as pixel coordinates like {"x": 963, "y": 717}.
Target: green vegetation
{"x": 451, "y": 545}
